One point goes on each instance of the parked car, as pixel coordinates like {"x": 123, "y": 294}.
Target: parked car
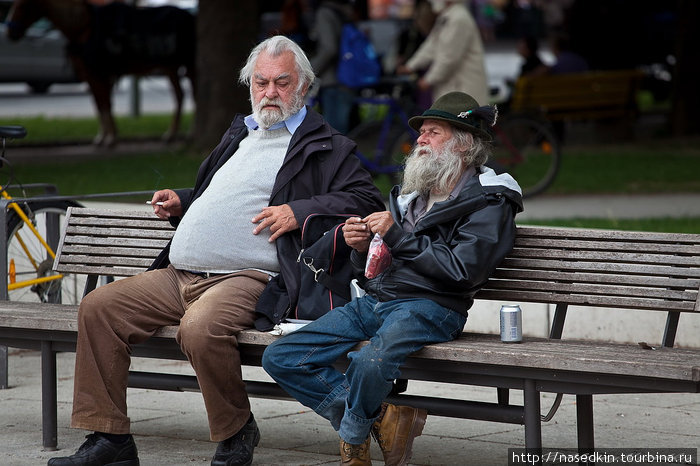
{"x": 38, "y": 59}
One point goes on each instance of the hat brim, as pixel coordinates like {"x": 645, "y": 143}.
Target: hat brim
{"x": 416, "y": 122}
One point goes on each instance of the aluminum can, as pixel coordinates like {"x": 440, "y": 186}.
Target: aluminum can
{"x": 511, "y": 324}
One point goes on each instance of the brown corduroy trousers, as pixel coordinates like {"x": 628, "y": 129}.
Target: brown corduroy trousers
{"x": 210, "y": 313}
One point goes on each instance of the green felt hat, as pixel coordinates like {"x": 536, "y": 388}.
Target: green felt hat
{"x": 461, "y": 111}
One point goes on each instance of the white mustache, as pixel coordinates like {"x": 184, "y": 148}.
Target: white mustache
{"x": 265, "y": 102}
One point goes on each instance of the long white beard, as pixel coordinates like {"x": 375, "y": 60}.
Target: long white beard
{"x": 429, "y": 171}
{"x": 267, "y": 117}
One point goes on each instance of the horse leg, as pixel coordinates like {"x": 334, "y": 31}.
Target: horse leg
{"x": 174, "y": 78}
{"x": 101, "y": 88}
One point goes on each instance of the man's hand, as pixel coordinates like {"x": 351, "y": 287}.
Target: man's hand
{"x": 379, "y": 222}
{"x": 356, "y": 234}
{"x": 171, "y": 207}
{"x": 279, "y": 219}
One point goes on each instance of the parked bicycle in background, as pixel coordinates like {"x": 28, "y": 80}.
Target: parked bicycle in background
{"x": 32, "y": 230}
{"x": 525, "y": 145}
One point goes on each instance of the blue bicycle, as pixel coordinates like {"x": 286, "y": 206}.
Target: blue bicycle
{"x": 384, "y": 138}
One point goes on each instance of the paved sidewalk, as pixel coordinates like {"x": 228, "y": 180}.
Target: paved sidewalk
{"x": 171, "y": 429}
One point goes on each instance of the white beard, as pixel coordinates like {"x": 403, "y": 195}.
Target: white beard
{"x": 267, "y": 117}
{"x": 428, "y": 171}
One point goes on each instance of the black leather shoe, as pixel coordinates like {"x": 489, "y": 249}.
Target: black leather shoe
{"x": 238, "y": 449}
{"x": 98, "y": 451}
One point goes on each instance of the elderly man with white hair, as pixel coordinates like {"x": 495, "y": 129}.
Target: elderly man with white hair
{"x": 449, "y": 226}
{"x": 237, "y": 235}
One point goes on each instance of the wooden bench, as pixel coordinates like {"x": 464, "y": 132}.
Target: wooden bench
{"x": 591, "y": 268}
{"x": 592, "y": 95}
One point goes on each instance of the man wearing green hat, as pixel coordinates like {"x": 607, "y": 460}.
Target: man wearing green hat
{"x": 450, "y": 224}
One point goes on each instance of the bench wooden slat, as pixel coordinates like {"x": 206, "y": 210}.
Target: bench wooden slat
{"x": 602, "y": 290}
{"x": 120, "y": 232}
{"x": 100, "y": 242}
{"x": 149, "y": 223}
{"x": 617, "y": 236}
{"x": 606, "y": 278}
{"x": 82, "y": 251}
{"x": 102, "y": 270}
{"x": 622, "y": 302}
{"x": 612, "y": 268}
{"x": 630, "y": 258}
{"x": 610, "y": 246}
{"x": 109, "y": 261}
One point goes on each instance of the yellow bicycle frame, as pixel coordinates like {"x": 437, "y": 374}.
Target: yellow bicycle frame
{"x": 13, "y": 285}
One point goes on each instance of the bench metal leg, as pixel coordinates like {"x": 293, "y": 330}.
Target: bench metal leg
{"x": 49, "y": 415}
{"x": 4, "y": 371}
{"x": 503, "y": 395}
{"x": 671, "y": 328}
{"x": 533, "y": 425}
{"x": 584, "y": 422}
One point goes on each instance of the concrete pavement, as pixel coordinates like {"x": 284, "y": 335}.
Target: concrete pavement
{"x": 171, "y": 428}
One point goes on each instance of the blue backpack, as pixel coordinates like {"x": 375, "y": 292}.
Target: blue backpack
{"x": 358, "y": 64}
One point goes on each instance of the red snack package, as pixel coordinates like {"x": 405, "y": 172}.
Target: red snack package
{"x": 378, "y": 257}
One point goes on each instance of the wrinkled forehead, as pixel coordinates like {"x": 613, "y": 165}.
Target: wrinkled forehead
{"x": 272, "y": 68}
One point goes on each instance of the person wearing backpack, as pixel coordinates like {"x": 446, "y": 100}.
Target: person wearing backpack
{"x": 449, "y": 226}
{"x": 336, "y": 99}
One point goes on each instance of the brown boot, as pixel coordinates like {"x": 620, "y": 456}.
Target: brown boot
{"x": 395, "y": 429}
{"x": 354, "y": 455}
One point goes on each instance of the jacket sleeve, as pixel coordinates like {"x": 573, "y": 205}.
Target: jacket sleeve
{"x": 342, "y": 185}
{"x": 477, "y": 246}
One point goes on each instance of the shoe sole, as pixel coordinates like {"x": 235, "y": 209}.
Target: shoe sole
{"x": 416, "y": 431}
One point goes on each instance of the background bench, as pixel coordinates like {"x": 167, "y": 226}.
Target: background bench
{"x": 592, "y": 95}
{"x": 597, "y": 268}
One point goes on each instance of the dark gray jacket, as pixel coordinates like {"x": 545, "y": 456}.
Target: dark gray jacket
{"x": 454, "y": 248}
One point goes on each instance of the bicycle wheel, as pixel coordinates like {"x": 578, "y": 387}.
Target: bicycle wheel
{"x": 529, "y": 151}
{"x": 383, "y": 149}
{"x": 28, "y": 259}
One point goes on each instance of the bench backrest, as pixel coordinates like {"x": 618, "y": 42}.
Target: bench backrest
{"x": 594, "y": 94}
{"x": 632, "y": 270}
{"x": 603, "y": 268}
{"x": 110, "y": 242}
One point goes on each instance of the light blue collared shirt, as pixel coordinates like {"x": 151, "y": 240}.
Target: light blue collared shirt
{"x": 292, "y": 123}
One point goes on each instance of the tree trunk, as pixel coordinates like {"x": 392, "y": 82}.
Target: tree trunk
{"x": 226, "y": 32}
{"x": 685, "y": 117}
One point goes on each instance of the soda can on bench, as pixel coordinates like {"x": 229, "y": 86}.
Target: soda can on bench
{"x": 511, "y": 324}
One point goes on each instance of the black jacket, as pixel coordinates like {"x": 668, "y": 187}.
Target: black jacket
{"x": 319, "y": 174}
{"x": 454, "y": 248}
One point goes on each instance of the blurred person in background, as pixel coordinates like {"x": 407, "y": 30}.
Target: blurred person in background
{"x": 452, "y": 56}
{"x": 335, "y": 99}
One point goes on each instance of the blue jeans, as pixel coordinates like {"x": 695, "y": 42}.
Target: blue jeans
{"x": 302, "y": 362}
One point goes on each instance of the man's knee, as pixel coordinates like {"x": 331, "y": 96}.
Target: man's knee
{"x": 196, "y": 334}
{"x": 271, "y": 360}
{"x": 374, "y": 362}
{"x": 93, "y": 309}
